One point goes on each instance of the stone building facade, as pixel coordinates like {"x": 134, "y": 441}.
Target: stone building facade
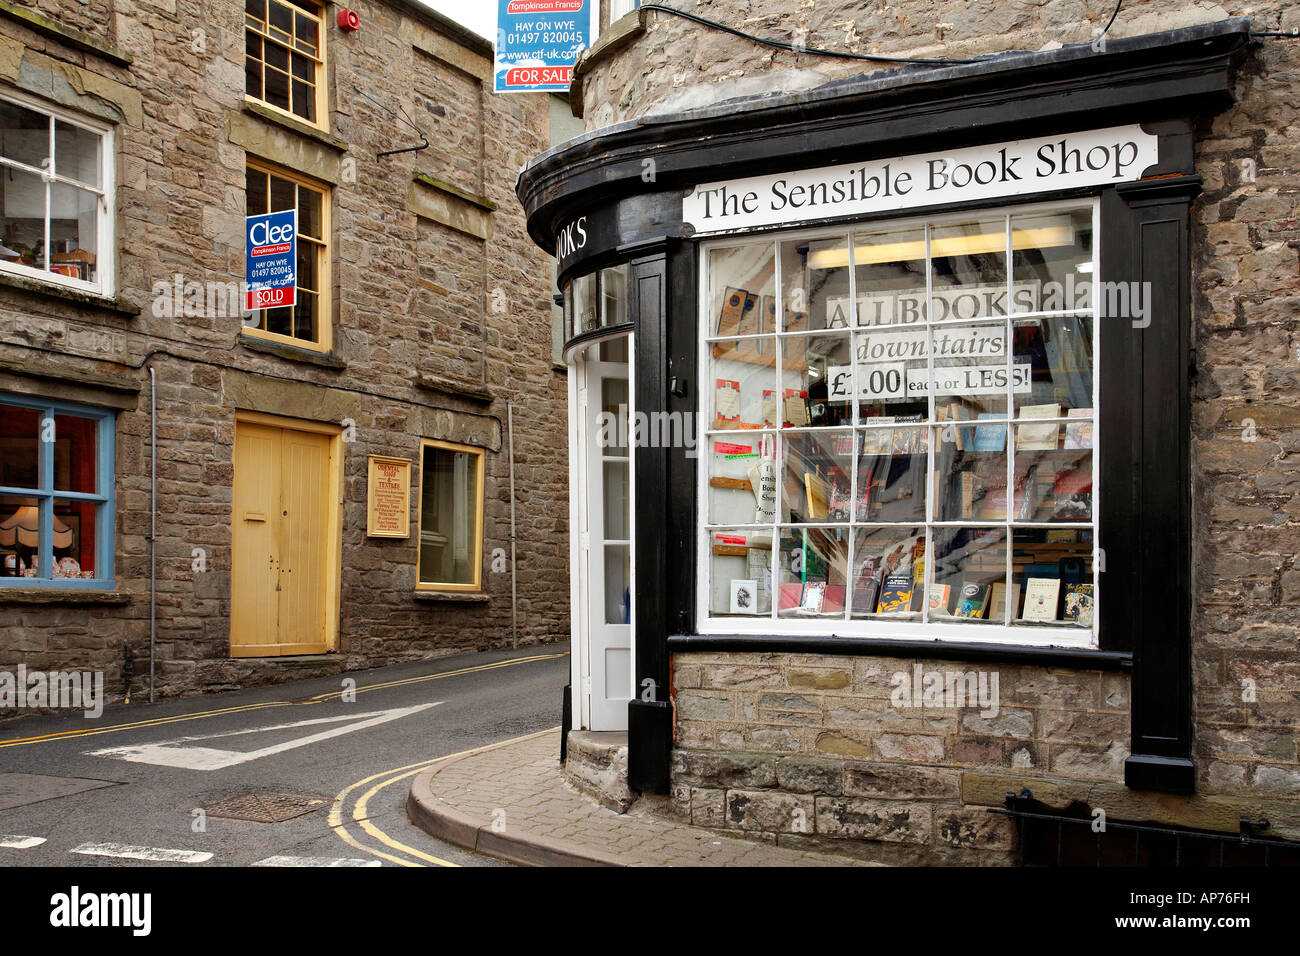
{"x": 424, "y": 315}
{"x": 809, "y": 743}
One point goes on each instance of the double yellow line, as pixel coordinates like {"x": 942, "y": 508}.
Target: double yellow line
{"x": 247, "y": 708}
{"x": 390, "y": 777}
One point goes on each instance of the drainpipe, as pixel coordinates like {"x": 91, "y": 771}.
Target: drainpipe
{"x": 153, "y": 523}
{"x": 514, "y": 579}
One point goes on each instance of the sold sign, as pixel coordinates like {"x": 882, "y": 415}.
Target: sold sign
{"x": 270, "y": 272}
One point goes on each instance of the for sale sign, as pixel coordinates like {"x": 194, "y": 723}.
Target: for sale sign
{"x": 538, "y": 41}
{"x": 271, "y": 259}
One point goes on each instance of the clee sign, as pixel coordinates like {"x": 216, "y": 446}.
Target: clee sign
{"x": 998, "y": 171}
{"x": 271, "y": 257}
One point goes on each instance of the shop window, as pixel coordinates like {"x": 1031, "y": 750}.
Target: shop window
{"x": 901, "y": 422}
{"x": 451, "y": 517}
{"x": 55, "y": 193}
{"x": 598, "y": 300}
{"x": 56, "y": 486}
{"x": 307, "y": 321}
{"x": 284, "y": 56}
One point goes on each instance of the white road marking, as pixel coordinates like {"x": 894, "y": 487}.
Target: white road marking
{"x": 312, "y": 861}
{"x": 175, "y": 753}
{"x": 149, "y": 853}
{"x": 20, "y": 842}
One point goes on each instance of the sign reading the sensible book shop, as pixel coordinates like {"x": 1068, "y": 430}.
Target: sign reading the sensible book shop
{"x": 999, "y": 171}
{"x": 538, "y": 41}
{"x": 270, "y": 269}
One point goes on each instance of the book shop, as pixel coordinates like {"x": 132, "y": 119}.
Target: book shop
{"x": 891, "y": 376}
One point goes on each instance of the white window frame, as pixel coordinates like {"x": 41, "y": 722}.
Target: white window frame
{"x": 105, "y": 239}
{"x": 902, "y": 630}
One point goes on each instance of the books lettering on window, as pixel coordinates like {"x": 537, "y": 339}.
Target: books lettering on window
{"x": 940, "y": 594}
{"x": 998, "y": 601}
{"x": 1079, "y": 604}
{"x": 1078, "y": 434}
{"x": 1041, "y": 597}
{"x": 895, "y": 594}
{"x": 744, "y": 596}
{"x": 972, "y": 600}
{"x": 990, "y": 437}
{"x": 1038, "y": 437}
{"x": 726, "y": 404}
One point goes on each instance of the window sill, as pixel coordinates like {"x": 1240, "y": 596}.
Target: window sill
{"x": 448, "y": 386}
{"x": 1082, "y": 658}
{"x": 454, "y": 597}
{"x": 293, "y": 353}
{"x": 261, "y": 111}
{"x": 54, "y": 595}
{"x": 115, "y": 304}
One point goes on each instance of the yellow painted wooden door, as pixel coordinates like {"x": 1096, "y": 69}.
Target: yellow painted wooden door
{"x": 280, "y": 570}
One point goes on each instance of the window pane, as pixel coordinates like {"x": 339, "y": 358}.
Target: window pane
{"x": 283, "y": 194}
{"x": 253, "y": 77}
{"x": 74, "y": 539}
{"x": 279, "y": 321}
{"x": 816, "y": 476}
{"x": 744, "y": 384}
{"x": 741, "y": 468}
{"x": 255, "y": 195}
{"x": 891, "y": 473}
{"x": 1053, "y": 485}
{"x": 815, "y": 283}
{"x": 24, "y": 218}
{"x": 817, "y": 370}
{"x": 24, "y": 134}
{"x": 971, "y": 482}
{"x": 584, "y": 304}
{"x": 740, "y": 572}
{"x": 76, "y": 454}
{"x": 1052, "y": 261}
{"x": 970, "y": 369}
{"x": 309, "y": 212}
{"x": 969, "y": 563}
{"x": 19, "y": 447}
{"x": 19, "y": 536}
{"x": 74, "y": 228}
{"x": 618, "y": 584}
{"x": 813, "y": 572}
{"x": 739, "y": 277}
{"x": 614, "y": 402}
{"x": 304, "y": 101}
{"x": 448, "y": 516}
{"x": 255, "y": 9}
{"x": 305, "y": 32}
{"x": 304, "y": 316}
{"x": 1057, "y": 355}
{"x": 890, "y": 273}
{"x": 281, "y": 18}
{"x": 883, "y": 555}
{"x": 1053, "y": 578}
{"x": 277, "y": 87}
{"x": 613, "y": 295}
{"x": 77, "y": 153}
{"x": 968, "y": 268}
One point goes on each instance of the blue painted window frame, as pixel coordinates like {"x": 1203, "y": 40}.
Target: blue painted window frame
{"x": 105, "y": 519}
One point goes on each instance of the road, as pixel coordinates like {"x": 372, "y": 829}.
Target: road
{"x": 139, "y": 786}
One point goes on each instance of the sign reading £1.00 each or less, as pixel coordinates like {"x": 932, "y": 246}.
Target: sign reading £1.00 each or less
{"x": 538, "y": 41}
{"x": 271, "y": 257}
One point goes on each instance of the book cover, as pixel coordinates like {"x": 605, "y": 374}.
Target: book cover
{"x": 796, "y": 408}
{"x": 972, "y": 600}
{"x": 940, "y": 594}
{"x": 998, "y": 601}
{"x": 1079, "y": 604}
{"x": 875, "y": 441}
{"x": 1038, "y": 437}
{"x": 1078, "y": 434}
{"x": 895, "y": 594}
{"x": 990, "y": 437}
{"x": 1072, "y": 495}
{"x": 732, "y": 313}
{"x": 769, "y": 408}
{"x": 866, "y": 591}
{"x": 814, "y": 596}
{"x": 1041, "y": 595}
{"x": 726, "y": 403}
{"x": 818, "y": 492}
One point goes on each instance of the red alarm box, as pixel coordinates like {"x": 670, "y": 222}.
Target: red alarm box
{"x": 348, "y": 20}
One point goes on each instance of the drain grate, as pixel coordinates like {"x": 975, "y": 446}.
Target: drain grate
{"x": 264, "y": 807}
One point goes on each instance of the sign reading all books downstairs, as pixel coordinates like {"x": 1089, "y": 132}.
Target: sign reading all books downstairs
{"x": 998, "y": 171}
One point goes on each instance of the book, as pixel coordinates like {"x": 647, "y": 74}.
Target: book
{"x": 895, "y": 594}
{"x": 998, "y": 601}
{"x": 940, "y": 594}
{"x": 814, "y": 596}
{"x": 1072, "y": 495}
{"x": 769, "y": 408}
{"x": 1041, "y": 596}
{"x": 972, "y": 600}
{"x": 726, "y": 404}
{"x": 744, "y": 596}
{"x": 1078, "y": 434}
{"x": 866, "y": 590}
{"x": 818, "y": 492}
{"x": 1038, "y": 437}
{"x": 907, "y": 441}
{"x": 766, "y": 322}
{"x": 1079, "y": 604}
{"x": 990, "y": 437}
{"x": 875, "y": 441}
{"x": 735, "y": 303}
{"x": 795, "y": 408}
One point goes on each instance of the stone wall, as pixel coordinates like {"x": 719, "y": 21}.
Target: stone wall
{"x": 441, "y": 314}
{"x": 759, "y": 736}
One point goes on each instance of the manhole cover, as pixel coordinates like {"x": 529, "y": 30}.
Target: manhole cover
{"x": 264, "y": 807}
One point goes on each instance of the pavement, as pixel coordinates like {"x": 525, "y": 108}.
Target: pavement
{"x": 511, "y": 801}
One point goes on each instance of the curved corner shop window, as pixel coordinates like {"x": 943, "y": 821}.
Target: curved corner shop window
{"x": 54, "y": 499}
{"x": 900, "y": 430}
{"x": 451, "y": 517}
{"x": 55, "y": 188}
